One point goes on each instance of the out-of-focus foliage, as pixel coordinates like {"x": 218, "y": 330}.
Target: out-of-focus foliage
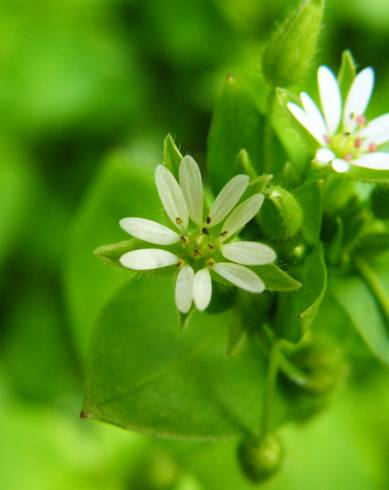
{"x": 87, "y": 92}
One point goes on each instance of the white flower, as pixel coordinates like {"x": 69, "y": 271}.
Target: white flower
{"x": 345, "y": 136}
{"x": 201, "y": 243}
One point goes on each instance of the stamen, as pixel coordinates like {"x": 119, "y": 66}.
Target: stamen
{"x": 361, "y": 120}
{"x": 205, "y": 231}
{"x": 347, "y": 134}
{"x": 208, "y": 220}
{"x": 224, "y": 233}
{"x": 358, "y": 143}
{"x": 211, "y": 247}
{"x": 179, "y": 264}
{"x": 211, "y": 262}
{"x": 372, "y": 148}
{"x": 196, "y": 253}
{"x": 184, "y": 240}
{"x": 179, "y": 221}
{"x": 327, "y": 139}
{"x": 348, "y": 157}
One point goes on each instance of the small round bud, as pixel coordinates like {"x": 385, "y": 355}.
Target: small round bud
{"x": 323, "y": 367}
{"x": 159, "y": 472}
{"x": 260, "y": 457}
{"x": 281, "y": 216}
{"x": 379, "y": 199}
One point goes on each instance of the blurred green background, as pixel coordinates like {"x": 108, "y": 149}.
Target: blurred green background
{"x": 86, "y": 85}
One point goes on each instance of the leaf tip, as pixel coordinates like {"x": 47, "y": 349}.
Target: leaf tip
{"x": 84, "y": 414}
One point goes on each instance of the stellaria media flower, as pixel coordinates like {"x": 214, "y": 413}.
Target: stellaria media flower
{"x": 343, "y": 132}
{"x": 202, "y": 244}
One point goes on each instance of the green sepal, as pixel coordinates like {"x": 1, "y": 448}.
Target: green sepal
{"x": 236, "y": 125}
{"x": 347, "y": 73}
{"x": 298, "y": 142}
{"x": 297, "y": 310}
{"x": 245, "y": 164}
{"x": 290, "y": 50}
{"x": 171, "y": 155}
{"x": 367, "y": 174}
{"x": 276, "y": 279}
{"x": 111, "y": 253}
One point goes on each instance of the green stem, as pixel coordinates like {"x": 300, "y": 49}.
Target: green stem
{"x": 374, "y": 284}
{"x": 270, "y": 385}
{"x": 268, "y": 132}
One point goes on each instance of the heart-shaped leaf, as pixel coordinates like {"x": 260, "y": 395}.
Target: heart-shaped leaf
{"x": 147, "y": 375}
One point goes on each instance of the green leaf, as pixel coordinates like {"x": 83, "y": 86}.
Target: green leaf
{"x": 171, "y": 155}
{"x": 347, "y": 73}
{"x": 123, "y": 187}
{"x": 147, "y": 375}
{"x": 291, "y": 48}
{"x": 276, "y": 279}
{"x": 236, "y": 125}
{"x": 297, "y": 310}
{"x": 308, "y": 196}
{"x": 364, "y": 296}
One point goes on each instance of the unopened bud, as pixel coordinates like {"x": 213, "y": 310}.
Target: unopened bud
{"x": 261, "y": 457}
{"x": 292, "y": 46}
{"x": 281, "y": 216}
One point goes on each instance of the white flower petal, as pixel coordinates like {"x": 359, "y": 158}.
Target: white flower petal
{"x": 227, "y": 198}
{"x": 240, "y": 276}
{"x": 249, "y": 253}
{"x": 358, "y": 97}
{"x": 331, "y": 100}
{"x": 184, "y": 289}
{"x": 149, "y": 231}
{"x": 202, "y": 289}
{"x": 241, "y": 215}
{"x": 313, "y": 113}
{"x": 304, "y": 120}
{"x": 377, "y": 130}
{"x": 377, "y": 161}
{"x": 324, "y": 156}
{"x": 192, "y": 188}
{"x": 171, "y": 197}
{"x": 147, "y": 259}
{"x": 340, "y": 165}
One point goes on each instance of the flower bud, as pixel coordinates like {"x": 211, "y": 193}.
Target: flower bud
{"x": 323, "y": 365}
{"x": 379, "y": 200}
{"x": 291, "y": 48}
{"x": 322, "y": 368}
{"x": 281, "y": 216}
{"x": 158, "y": 472}
{"x": 260, "y": 457}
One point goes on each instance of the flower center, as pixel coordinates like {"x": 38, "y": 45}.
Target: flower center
{"x": 200, "y": 248}
{"x": 346, "y": 145}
